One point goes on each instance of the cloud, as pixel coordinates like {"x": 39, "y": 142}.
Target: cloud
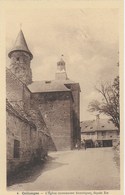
{"x": 88, "y": 38}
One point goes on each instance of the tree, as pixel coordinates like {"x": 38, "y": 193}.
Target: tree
{"x": 109, "y": 105}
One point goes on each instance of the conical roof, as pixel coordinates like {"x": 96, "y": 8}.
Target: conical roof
{"x": 20, "y": 45}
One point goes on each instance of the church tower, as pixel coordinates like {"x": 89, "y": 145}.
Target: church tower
{"x": 21, "y": 57}
{"x": 61, "y": 70}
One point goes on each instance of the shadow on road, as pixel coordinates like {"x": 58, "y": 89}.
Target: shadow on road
{"x": 32, "y": 172}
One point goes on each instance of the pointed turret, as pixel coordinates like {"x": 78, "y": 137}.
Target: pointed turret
{"x": 21, "y": 57}
{"x": 20, "y": 45}
{"x": 61, "y": 70}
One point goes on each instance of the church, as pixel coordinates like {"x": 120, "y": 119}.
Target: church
{"x": 43, "y": 115}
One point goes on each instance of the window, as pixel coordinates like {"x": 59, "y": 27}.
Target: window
{"x": 16, "y": 149}
{"x": 103, "y": 133}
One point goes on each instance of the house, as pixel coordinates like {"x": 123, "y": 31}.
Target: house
{"x": 99, "y": 133}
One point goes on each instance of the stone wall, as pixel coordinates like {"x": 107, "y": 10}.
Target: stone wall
{"x": 18, "y": 129}
{"x": 31, "y": 148}
{"x": 56, "y": 109}
{"x": 26, "y": 98}
{"x": 75, "y": 88}
{"x": 16, "y": 91}
{"x": 14, "y": 88}
{"x": 20, "y": 66}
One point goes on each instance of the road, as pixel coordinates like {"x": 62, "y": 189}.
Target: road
{"x": 91, "y": 169}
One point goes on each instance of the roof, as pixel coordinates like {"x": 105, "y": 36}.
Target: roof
{"x": 50, "y": 86}
{"x": 97, "y": 125}
{"x": 20, "y": 45}
{"x": 47, "y": 86}
{"x": 61, "y": 62}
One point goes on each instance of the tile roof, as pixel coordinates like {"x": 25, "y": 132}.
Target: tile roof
{"x": 51, "y": 85}
{"x": 97, "y": 125}
{"x": 47, "y": 86}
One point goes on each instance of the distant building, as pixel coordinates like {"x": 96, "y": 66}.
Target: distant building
{"x": 99, "y": 133}
{"x": 41, "y": 115}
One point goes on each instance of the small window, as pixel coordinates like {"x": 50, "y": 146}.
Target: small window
{"x": 102, "y": 125}
{"x": 91, "y": 127}
{"x": 18, "y": 59}
{"x": 47, "y": 82}
{"x": 16, "y": 149}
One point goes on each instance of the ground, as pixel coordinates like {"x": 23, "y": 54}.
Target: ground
{"x": 91, "y": 169}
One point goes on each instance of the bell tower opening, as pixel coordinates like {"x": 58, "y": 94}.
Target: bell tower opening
{"x": 61, "y": 70}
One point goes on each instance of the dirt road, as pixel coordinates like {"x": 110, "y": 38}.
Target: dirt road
{"x": 93, "y": 169}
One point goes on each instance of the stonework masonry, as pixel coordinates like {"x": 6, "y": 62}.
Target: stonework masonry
{"x": 24, "y": 125}
{"x": 41, "y": 116}
{"x": 22, "y": 131}
{"x": 20, "y": 66}
{"x": 56, "y": 110}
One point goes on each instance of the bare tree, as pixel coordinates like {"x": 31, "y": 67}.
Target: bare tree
{"x": 109, "y": 105}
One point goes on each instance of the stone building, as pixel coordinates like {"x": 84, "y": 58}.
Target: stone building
{"x": 99, "y": 133}
{"x": 58, "y": 101}
{"x": 42, "y": 115}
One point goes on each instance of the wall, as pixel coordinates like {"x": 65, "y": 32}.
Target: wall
{"x": 31, "y": 147}
{"x": 89, "y": 135}
{"x": 43, "y": 133}
{"x": 14, "y": 88}
{"x": 108, "y": 135}
{"x": 75, "y": 88}
{"x": 16, "y": 91}
{"x": 56, "y": 109}
{"x": 20, "y": 66}
{"x": 26, "y": 98}
{"x": 17, "y": 129}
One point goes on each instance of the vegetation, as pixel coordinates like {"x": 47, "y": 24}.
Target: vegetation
{"x": 109, "y": 105}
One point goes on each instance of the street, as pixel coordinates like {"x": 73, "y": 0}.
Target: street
{"x": 91, "y": 169}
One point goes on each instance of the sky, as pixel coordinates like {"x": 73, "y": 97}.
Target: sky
{"x": 88, "y": 39}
